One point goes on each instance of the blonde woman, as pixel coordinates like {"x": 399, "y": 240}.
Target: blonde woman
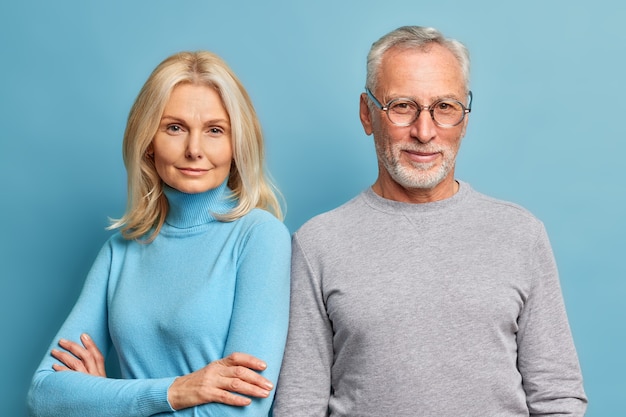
{"x": 192, "y": 292}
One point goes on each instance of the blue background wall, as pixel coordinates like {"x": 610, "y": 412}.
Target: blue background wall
{"x": 546, "y": 131}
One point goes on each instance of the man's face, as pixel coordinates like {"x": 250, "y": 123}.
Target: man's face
{"x": 419, "y": 157}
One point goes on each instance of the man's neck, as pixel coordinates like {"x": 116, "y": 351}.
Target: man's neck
{"x": 391, "y": 190}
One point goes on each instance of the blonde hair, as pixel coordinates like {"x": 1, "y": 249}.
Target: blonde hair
{"x": 252, "y": 188}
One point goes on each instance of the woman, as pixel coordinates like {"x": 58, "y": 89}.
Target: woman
{"x": 193, "y": 291}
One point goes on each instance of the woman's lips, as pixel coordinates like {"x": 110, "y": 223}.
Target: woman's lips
{"x": 194, "y": 172}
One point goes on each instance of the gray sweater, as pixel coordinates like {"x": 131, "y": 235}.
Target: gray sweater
{"x": 445, "y": 309}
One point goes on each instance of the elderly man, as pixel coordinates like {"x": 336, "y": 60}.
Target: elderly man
{"x": 422, "y": 296}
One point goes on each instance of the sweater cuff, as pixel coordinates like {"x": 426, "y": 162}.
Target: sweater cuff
{"x": 154, "y": 399}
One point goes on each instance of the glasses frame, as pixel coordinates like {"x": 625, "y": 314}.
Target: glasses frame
{"x": 431, "y": 108}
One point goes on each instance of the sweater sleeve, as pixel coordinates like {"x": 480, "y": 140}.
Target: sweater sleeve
{"x": 70, "y": 393}
{"x": 547, "y": 358}
{"x": 304, "y": 386}
{"x": 260, "y": 317}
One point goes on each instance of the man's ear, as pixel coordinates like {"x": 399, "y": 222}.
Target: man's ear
{"x": 365, "y": 115}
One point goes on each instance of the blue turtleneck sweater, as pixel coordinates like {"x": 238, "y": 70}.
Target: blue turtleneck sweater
{"x": 200, "y": 291}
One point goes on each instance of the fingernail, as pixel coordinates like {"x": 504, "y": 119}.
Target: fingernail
{"x": 84, "y": 336}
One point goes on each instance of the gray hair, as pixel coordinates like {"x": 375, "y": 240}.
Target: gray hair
{"x": 414, "y": 37}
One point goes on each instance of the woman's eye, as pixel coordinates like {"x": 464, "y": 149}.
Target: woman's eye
{"x": 173, "y": 128}
{"x": 215, "y": 131}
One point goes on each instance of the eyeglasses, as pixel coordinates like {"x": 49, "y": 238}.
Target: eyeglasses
{"x": 404, "y": 111}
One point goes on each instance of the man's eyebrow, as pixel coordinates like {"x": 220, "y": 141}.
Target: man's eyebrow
{"x": 435, "y": 99}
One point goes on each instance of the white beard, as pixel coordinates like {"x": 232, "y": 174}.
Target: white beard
{"x": 416, "y": 175}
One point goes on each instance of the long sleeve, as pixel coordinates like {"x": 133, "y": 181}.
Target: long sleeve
{"x": 304, "y": 386}
{"x": 261, "y": 310}
{"x": 441, "y": 309}
{"x": 547, "y": 357}
{"x": 69, "y": 393}
{"x": 200, "y": 291}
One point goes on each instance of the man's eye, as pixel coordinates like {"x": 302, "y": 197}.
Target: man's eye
{"x": 403, "y": 107}
{"x": 448, "y": 106}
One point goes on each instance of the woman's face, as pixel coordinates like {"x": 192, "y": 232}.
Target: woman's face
{"x": 192, "y": 147}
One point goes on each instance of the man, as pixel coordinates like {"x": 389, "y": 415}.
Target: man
{"x": 421, "y": 296}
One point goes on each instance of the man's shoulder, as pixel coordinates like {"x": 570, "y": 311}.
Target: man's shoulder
{"x": 497, "y": 211}
{"x": 333, "y": 220}
{"x": 503, "y": 207}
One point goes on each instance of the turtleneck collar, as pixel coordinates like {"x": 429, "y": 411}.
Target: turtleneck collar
{"x": 189, "y": 210}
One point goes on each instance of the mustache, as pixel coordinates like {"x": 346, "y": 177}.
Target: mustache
{"x": 420, "y": 148}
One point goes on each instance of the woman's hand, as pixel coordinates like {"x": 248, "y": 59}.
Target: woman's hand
{"x": 221, "y": 381}
{"x": 86, "y": 358}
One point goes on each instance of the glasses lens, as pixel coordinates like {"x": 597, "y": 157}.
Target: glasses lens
{"x": 402, "y": 111}
{"x": 448, "y": 112}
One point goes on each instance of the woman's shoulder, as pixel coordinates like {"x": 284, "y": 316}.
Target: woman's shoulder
{"x": 260, "y": 216}
{"x": 259, "y": 219}
{"x": 117, "y": 242}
